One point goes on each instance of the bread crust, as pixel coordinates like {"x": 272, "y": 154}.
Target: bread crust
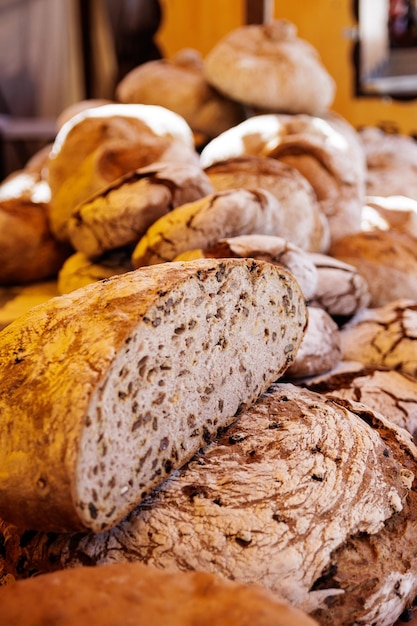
{"x": 105, "y": 391}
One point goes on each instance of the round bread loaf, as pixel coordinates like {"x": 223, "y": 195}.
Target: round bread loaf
{"x": 387, "y": 260}
{"x": 392, "y": 393}
{"x": 383, "y": 336}
{"x": 391, "y": 163}
{"x": 179, "y": 84}
{"x": 312, "y": 497}
{"x": 397, "y": 212}
{"x": 304, "y": 223}
{"x": 132, "y": 593}
{"x": 341, "y": 289}
{"x": 120, "y": 213}
{"x": 268, "y": 66}
{"x": 28, "y": 250}
{"x": 275, "y": 250}
{"x": 202, "y": 223}
{"x": 100, "y": 144}
{"x": 320, "y": 349}
{"x": 325, "y": 150}
{"x": 107, "y": 390}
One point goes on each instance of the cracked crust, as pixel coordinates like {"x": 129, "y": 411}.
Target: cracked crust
{"x": 341, "y": 289}
{"x": 119, "y": 214}
{"x": 107, "y": 390}
{"x": 384, "y": 336}
{"x": 275, "y": 250}
{"x": 310, "y": 497}
{"x": 325, "y": 150}
{"x": 304, "y": 223}
{"x": 202, "y": 223}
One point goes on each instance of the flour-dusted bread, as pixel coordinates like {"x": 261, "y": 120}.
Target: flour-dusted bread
{"x": 320, "y": 349}
{"x": 179, "y": 84}
{"x": 397, "y": 212}
{"x": 308, "y": 496}
{"x": 121, "y": 212}
{"x": 269, "y": 67}
{"x": 392, "y": 393}
{"x": 383, "y": 336}
{"x": 275, "y": 250}
{"x": 100, "y": 144}
{"x": 133, "y": 593}
{"x": 305, "y": 224}
{"x": 105, "y": 391}
{"x": 391, "y": 160}
{"x": 325, "y": 150}
{"x": 341, "y": 289}
{"x": 387, "y": 260}
{"x": 204, "y": 222}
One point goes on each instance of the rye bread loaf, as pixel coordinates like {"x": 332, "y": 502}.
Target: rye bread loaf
{"x": 179, "y": 84}
{"x": 383, "y": 336}
{"x": 320, "y": 349}
{"x": 341, "y": 289}
{"x": 28, "y": 250}
{"x": 204, "y": 222}
{"x": 133, "y": 593}
{"x": 387, "y": 259}
{"x": 325, "y": 150}
{"x": 98, "y": 145}
{"x": 120, "y": 213}
{"x": 397, "y": 212}
{"x": 308, "y": 496}
{"x": 305, "y": 224}
{"x": 392, "y": 393}
{"x": 275, "y": 250}
{"x": 105, "y": 391}
{"x": 391, "y": 160}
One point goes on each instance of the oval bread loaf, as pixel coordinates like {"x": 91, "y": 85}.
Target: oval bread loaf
{"x": 105, "y": 391}
{"x": 132, "y": 593}
{"x": 312, "y": 497}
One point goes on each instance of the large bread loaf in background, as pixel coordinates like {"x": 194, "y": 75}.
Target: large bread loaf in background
{"x": 104, "y": 391}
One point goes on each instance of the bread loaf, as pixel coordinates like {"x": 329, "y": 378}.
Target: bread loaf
{"x": 383, "y": 336}
{"x": 304, "y": 224}
{"x": 105, "y": 391}
{"x": 275, "y": 250}
{"x": 202, "y": 223}
{"x": 132, "y": 593}
{"x": 268, "y": 66}
{"x": 120, "y": 213}
{"x": 308, "y": 496}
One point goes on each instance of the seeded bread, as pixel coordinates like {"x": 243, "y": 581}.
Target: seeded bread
{"x": 275, "y": 250}
{"x": 105, "y": 391}
{"x": 314, "y": 498}
{"x": 132, "y": 593}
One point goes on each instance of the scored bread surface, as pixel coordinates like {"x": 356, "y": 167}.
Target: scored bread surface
{"x": 106, "y": 390}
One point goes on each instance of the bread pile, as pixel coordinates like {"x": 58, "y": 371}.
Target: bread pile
{"x": 223, "y": 396}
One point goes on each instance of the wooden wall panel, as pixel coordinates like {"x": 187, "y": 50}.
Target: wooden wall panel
{"x": 197, "y": 23}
